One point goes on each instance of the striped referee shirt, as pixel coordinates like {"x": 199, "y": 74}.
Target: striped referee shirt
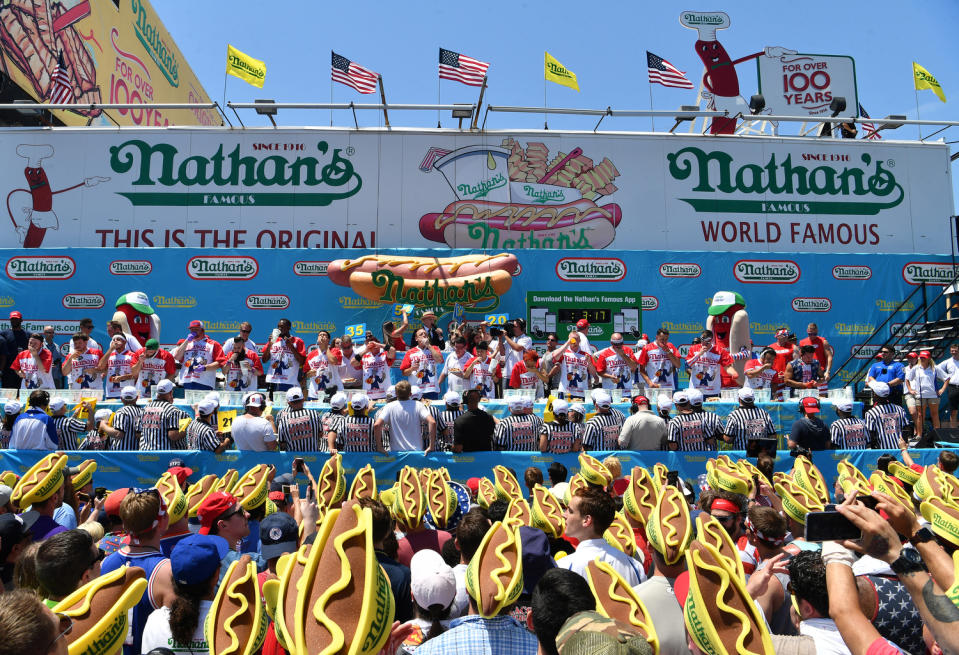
{"x": 602, "y": 431}
{"x": 159, "y": 416}
{"x": 885, "y": 423}
{"x": 518, "y": 432}
{"x": 201, "y": 436}
{"x": 355, "y": 434}
{"x": 301, "y": 430}
{"x": 691, "y": 431}
{"x": 126, "y": 420}
{"x": 745, "y": 423}
{"x": 386, "y": 428}
{"x": 444, "y": 426}
{"x": 69, "y": 430}
{"x": 561, "y": 438}
{"x": 850, "y": 434}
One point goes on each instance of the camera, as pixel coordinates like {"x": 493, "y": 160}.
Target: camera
{"x": 495, "y": 331}
{"x": 799, "y": 451}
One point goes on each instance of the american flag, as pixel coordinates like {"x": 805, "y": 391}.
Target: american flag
{"x": 460, "y": 68}
{"x": 60, "y": 90}
{"x": 353, "y": 75}
{"x": 663, "y": 72}
{"x": 870, "y": 128}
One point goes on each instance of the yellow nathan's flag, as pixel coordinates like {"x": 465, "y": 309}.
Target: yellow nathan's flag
{"x": 926, "y": 80}
{"x": 245, "y": 67}
{"x": 556, "y": 72}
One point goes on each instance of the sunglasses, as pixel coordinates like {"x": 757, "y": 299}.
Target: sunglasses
{"x": 244, "y": 331}
{"x": 97, "y": 558}
{"x": 64, "y": 627}
{"x": 229, "y": 515}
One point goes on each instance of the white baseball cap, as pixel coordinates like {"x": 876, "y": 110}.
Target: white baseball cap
{"x": 695, "y": 396}
{"x": 517, "y": 402}
{"x": 101, "y": 415}
{"x": 560, "y": 407}
{"x": 339, "y": 400}
{"x": 578, "y": 408}
{"x": 451, "y": 398}
{"x": 12, "y": 407}
{"x": 164, "y": 386}
{"x": 128, "y": 392}
{"x": 746, "y": 393}
{"x": 293, "y": 394}
{"x": 56, "y": 404}
{"x": 5, "y": 494}
{"x": 601, "y": 398}
{"x": 391, "y": 392}
{"x": 359, "y": 401}
{"x": 214, "y": 396}
{"x": 206, "y": 407}
{"x": 664, "y": 401}
{"x": 881, "y": 389}
{"x": 254, "y": 399}
{"x": 681, "y": 398}
{"x": 431, "y": 580}
{"x": 416, "y": 393}
{"x": 844, "y": 405}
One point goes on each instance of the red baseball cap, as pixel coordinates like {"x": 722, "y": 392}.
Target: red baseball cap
{"x": 473, "y": 484}
{"x": 811, "y": 405}
{"x": 582, "y": 323}
{"x": 924, "y": 354}
{"x": 196, "y": 324}
{"x": 112, "y": 504}
{"x": 277, "y": 496}
{"x": 16, "y": 314}
{"x": 640, "y": 400}
{"x": 212, "y": 508}
{"x": 681, "y": 588}
{"x": 915, "y": 356}
{"x": 181, "y": 473}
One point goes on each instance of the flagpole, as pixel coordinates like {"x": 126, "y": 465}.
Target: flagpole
{"x": 545, "y": 105}
{"x": 652, "y": 125}
{"x": 916, "y": 93}
{"x": 224, "y": 88}
{"x": 438, "y": 102}
{"x": 386, "y": 117}
{"x": 331, "y": 100}
{"x": 479, "y": 103}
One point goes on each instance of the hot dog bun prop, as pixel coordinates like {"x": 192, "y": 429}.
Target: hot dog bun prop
{"x": 410, "y": 504}
{"x": 615, "y": 599}
{"x": 547, "y": 514}
{"x": 198, "y": 492}
{"x": 236, "y": 623}
{"x": 441, "y": 501}
{"x": 364, "y": 484}
{"x": 518, "y": 513}
{"x": 594, "y": 471}
{"x": 87, "y": 468}
{"x": 331, "y": 483}
{"x": 620, "y": 535}
{"x": 668, "y": 528}
{"x": 494, "y": 577}
{"x": 486, "y": 492}
{"x": 99, "y": 610}
{"x": 640, "y": 497}
{"x": 507, "y": 487}
{"x": 173, "y": 496}
{"x": 712, "y": 533}
{"x": 468, "y": 279}
{"x": 40, "y": 482}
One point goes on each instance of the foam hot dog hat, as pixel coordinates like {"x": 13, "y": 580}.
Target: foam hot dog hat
{"x": 669, "y": 529}
{"x": 494, "y": 577}
{"x": 331, "y": 483}
{"x": 640, "y": 497}
{"x": 594, "y": 471}
{"x": 710, "y": 531}
{"x": 846, "y": 468}
{"x": 848, "y": 484}
{"x": 615, "y": 599}
{"x": 282, "y": 598}
{"x": 576, "y": 483}
{"x": 344, "y": 602}
{"x": 930, "y": 483}
{"x": 546, "y": 513}
{"x": 810, "y": 480}
{"x": 620, "y": 535}
{"x": 720, "y": 616}
{"x": 658, "y": 476}
{"x": 40, "y": 482}
{"x": 226, "y": 481}
{"x": 198, "y": 491}
{"x": 441, "y": 501}
{"x": 720, "y": 477}
{"x": 173, "y": 496}
{"x": 748, "y": 469}
{"x": 86, "y": 470}
{"x": 885, "y": 484}
{"x": 99, "y": 610}
{"x": 505, "y": 483}
{"x": 364, "y": 484}
{"x": 943, "y": 517}
{"x": 410, "y": 504}
{"x": 903, "y": 472}
{"x": 9, "y": 478}
{"x": 486, "y": 492}
{"x": 519, "y": 513}
{"x": 236, "y": 623}
{"x": 796, "y": 501}
{"x": 252, "y": 488}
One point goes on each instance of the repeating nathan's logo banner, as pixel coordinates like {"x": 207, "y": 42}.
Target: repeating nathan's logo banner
{"x": 929, "y": 272}
{"x": 39, "y": 267}
{"x": 811, "y": 304}
{"x": 220, "y": 267}
{"x": 502, "y": 192}
{"x": 590, "y": 269}
{"x": 267, "y": 301}
{"x": 755, "y": 271}
{"x": 83, "y": 301}
{"x": 131, "y": 267}
{"x": 680, "y": 270}
{"x": 310, "y": 268}
{"x": 846, "y": 272}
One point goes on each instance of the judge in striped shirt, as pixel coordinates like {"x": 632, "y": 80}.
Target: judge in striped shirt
{"x": 887, "y": 422}
{"x": 202, "y": 432}
{"x": 602, "y": 431}
{"x": 355, "y": 431}
{"x": 521, "y": 429}
{"x": 300, "y": 429}
{"x": 122, "y": 434}
{"x": 688, "y": 430}
{"x": 748, "y": 422}
{"x": 848, "y": 432}
{"x": 69, "y": 428}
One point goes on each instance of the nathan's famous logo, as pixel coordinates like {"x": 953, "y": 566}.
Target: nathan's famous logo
{"x": 358, "y": 302}
{"x": 131, "y": 267}
{"x": 841, "y": 272}
{"x": 811, "y": 304}
{"x": 864, "y": 329}
{"x": 756, "y": 271}
{"x": 151, "y": 36}
{"x": 670, "y": 269}
{"x": 476, "y": 281}
{"x": 162, "y": 164}
{"x": 894, "y": 305}
{"x": 650, "y": 303}
{"x": 40, "y": 267}
{"x": 864, "y": 350}
{"x": 588, "y": 269}
{"x": 174, "y": 301}
{"x": 688, "y": 327}
{"x": 7, "y": 301}
{"x": 929, "y": 272}
{"x": 267, "y": 301}
{"x": 764, "y": 328}
{"x": 310, "y": 268}
{"x": 904, "y": 329}
{"x": 83, "y": 301}
{"x": 784, "y": 187}
{"x": 512, "y": 197}
{"x": 221, "y": 267}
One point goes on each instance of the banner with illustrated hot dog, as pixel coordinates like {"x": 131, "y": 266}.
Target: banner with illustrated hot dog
{"x": 847, "y": 296}
{"x": 114, "y": 51}
{"x": 512, "y": 192}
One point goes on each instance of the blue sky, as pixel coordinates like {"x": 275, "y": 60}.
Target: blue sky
{"x": 603, "y": 43}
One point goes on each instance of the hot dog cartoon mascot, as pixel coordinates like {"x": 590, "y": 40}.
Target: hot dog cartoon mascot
{"x": 729, "y": 322}
{"x": 136, "y": 315}
{"x": 720, "y": 81}
{"x": 32, "y": 215}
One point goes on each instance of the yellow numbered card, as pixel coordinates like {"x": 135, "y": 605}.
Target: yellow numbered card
{"x": 226, "y": 420}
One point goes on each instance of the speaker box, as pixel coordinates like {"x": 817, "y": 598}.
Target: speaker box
{"x": 950, "y": 435}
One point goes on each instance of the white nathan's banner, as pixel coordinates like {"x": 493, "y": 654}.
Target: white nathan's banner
{"x": 339, "y": 188}
{"x": 804, "y": 84}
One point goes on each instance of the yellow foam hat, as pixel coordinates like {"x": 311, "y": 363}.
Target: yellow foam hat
{"x": 252, "y": 489}
{"x": 669, "y": 529}
{"x": 546, "y": 512}
{"x": 615, "y": 599}
{"x": 486, "y": 492}
{"x": 620, "y": 535}
{"x": 848, "y": 484}
{"x": 846, "y": 468}
{"x": 505, "y": 483}
{"x": 885, "y": 484}
{"x": 594, "y": 471}
{"x": 199, "y": 490}
{"x": 410, "y": 502}
{"x": 903, "y": 472}
{"x": 720, "y": 616}
{"x": 236, "y": 623}
{"x": 441, "y": 500}
{"x": 99, "y": 610}
{"x": 576, "y": 483}
{"x": 9, "y": 478}
{"x": 640, "y": 497}
{"x": 810, "y": 480}
{"x": 494, "y": 577}
{"x": 281, "y": 597}
{"x": 659, "y": 476}
{"x": 270, "y": 508}
{"x": 87, "y": 468}
{"x": 226, "y": 481}
{"x": 711, "y": 532}
{"x": 39, "y": 483}
{"x": 331, "y": 483}
{"x": 930, "y": 484}
{"x": 364, "y": 484}
{"x": 173, "y": 497}
{"x": 943, "y": 517}
{"x": 519, "y": 513}
{"x": 388, "y": 498}
{"x": 720, "y": 477}
{"x": 796, "y": 501}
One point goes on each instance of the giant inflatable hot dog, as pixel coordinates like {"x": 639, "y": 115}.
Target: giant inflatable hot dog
{"x": 431, "y": 281}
